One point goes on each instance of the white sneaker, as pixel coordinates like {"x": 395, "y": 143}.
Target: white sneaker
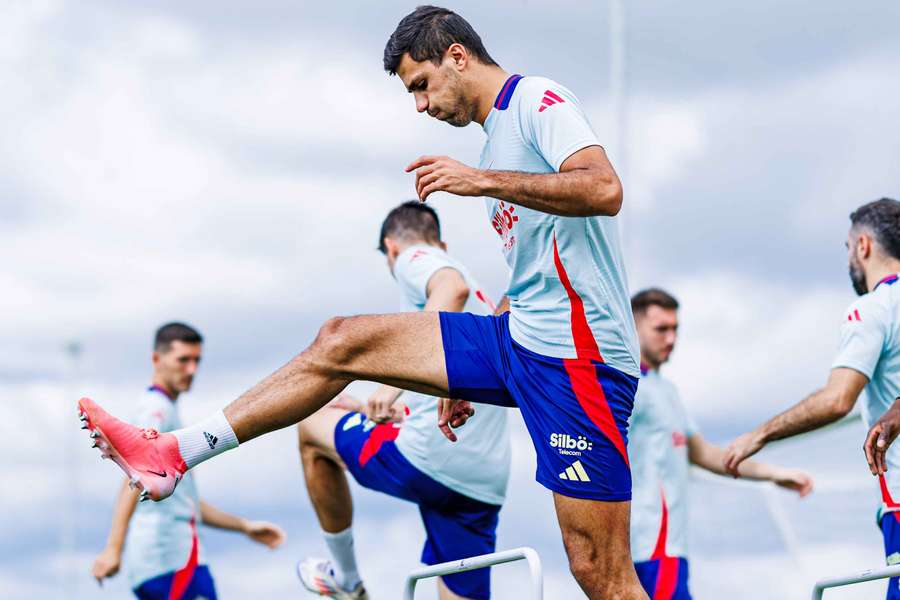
{"x": 317, "y": 575}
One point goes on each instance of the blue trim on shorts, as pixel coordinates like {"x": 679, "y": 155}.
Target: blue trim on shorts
{"x": 456, "y": 526}
{"x": 158, "y": 588}
{"x": 890, "y": 530}
{"x": 575, "y": 457}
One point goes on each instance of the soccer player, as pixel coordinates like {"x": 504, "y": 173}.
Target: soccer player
{"x": 566, "y": 352}
{"x": 664, "y": 443}
{"x": 869, "y": 357}
{"x": 459, "y": 489}
{"x": 163, "y": 556}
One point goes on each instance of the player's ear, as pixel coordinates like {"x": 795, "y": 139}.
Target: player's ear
{"x": 392, "y": 247}
{"x": 443, "y": 245}
{"x": 458, "y": 55}
{"x": 864, "y": 246}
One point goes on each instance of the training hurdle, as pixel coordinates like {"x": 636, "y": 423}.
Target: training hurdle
{"x": 479, "y": 562}
{"x": 861, "y": 577}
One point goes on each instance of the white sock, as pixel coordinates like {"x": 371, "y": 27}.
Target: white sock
{"x": 206, "y": 439}
{"x": 341, "y": 547}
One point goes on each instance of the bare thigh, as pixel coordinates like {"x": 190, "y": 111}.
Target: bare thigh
{"x": 316, "y": 433}
{"x": 596, "y": 537}
{"x": 404, "y": 349}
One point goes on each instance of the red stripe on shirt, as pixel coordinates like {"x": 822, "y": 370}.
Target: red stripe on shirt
{"x": 182, "y": 578}
{"x": 667, "y": 575}
{"x": 583, "y": 338}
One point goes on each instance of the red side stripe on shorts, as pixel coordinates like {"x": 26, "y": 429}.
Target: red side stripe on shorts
{"x": 592, "y": 398}
{"x": 182, "y": 578}
{"x": 384, "y": 432}
{"x": 667, "y": 575}
{"x": 887, "y": 499}
{"x": 585, "y": 344}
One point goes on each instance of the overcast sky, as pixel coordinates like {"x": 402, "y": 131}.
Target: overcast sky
{"x": 229, "y": 164}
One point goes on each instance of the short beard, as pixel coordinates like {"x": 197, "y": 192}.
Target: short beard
{"x": 858, "y": 279}
{"x": 463, "y": 111}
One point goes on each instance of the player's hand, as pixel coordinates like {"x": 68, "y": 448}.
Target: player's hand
{"x": 348, "y": 402}
{"x": 384, "y": 408}
{"x": 880, "y": 437}
{"x": 453, "y": 413}
{"x": 794, "y": 480}
{"x": 265, "y": 533}
{"x": 742, "y": 448}
{"x": 106, "y": 564}
{"x": 444, "y": 174}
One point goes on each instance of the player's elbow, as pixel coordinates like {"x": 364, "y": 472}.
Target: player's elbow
{"x": 460, "y": 293}
{"x": 840, "y": 405}
{"x": 607, "y": 196}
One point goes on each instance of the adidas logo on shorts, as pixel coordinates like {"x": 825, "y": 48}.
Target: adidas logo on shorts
{"x": 575, "y": 473}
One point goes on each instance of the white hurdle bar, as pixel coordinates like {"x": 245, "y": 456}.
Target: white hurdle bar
{"x": 479, "y": 562}
{"x": 862, "y": 576}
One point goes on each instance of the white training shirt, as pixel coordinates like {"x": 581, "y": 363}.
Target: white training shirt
{"x": 477, "y": 464}
{"x": 159, "y": 535}
{"x": 568, "y": 291}
{"x": 870, "y": 344}
{"x": 658, "y": 452}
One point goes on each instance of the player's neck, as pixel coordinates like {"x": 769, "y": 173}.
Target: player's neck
{"x": 157, "y": 382}
{"x": 648, "y": 365}
{"x": 487, "y": 89}
{"x": 880, "y": 270}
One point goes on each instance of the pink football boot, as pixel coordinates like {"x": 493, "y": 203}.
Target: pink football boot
{"x": 150, "y": 459}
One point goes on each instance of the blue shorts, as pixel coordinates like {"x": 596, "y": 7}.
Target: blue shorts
{"x": 890, "y": 528}
{"x": 664, "y": 578}
{"x": 160, "y": 588}
{"x": 456, "y": 526}
{"x": 576, "y": 410}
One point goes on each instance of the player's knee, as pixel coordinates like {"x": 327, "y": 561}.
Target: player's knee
{"x": 334, "y": 345}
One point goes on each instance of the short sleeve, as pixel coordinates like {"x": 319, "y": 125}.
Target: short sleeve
{"x": 154, "y": 412}
{"x": 553, "y": 123}
{"x": 415, "y": 269}
{"x": 863, "y": 334}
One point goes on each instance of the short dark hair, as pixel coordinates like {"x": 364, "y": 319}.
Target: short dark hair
{"x": 426, "y": 33}
{"x": 412, "y": 220}
{"x": 882, "y": 218}
{"x": 644, "y": 299}
{"x": 175, "y": 332}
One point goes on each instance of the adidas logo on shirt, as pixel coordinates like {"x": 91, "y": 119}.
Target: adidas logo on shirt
{"x": 211, "y": 440}
{"x": 575, "y": 473}
{"x": 549, "y": 100}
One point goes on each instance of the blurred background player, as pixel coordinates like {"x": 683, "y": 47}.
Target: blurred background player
{"x": 566, "y": 353}
{"x": 664, "y": 443}
{"x": 868, "y": 358}
{"x": 163, "y": 556}
{"x": 459, "y": 487}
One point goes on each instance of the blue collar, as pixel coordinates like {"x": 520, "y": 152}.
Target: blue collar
{"x": 161, "y": 390}
{"x": 506, "y": 92}
{"x": 889, "y": 280}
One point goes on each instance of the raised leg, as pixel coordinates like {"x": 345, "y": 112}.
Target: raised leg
{"x": 403, "y": 350}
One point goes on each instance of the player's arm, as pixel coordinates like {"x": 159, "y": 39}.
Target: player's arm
{"x": 259, "y": 531}
{"x": 109, "y": 560}
{"x": 825, "y": 406}
{"x": 880, "y": 437}
{"x": 712, "y": 458}
{"x": 585, "y": 186}
{"x": 503, "y": 307}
